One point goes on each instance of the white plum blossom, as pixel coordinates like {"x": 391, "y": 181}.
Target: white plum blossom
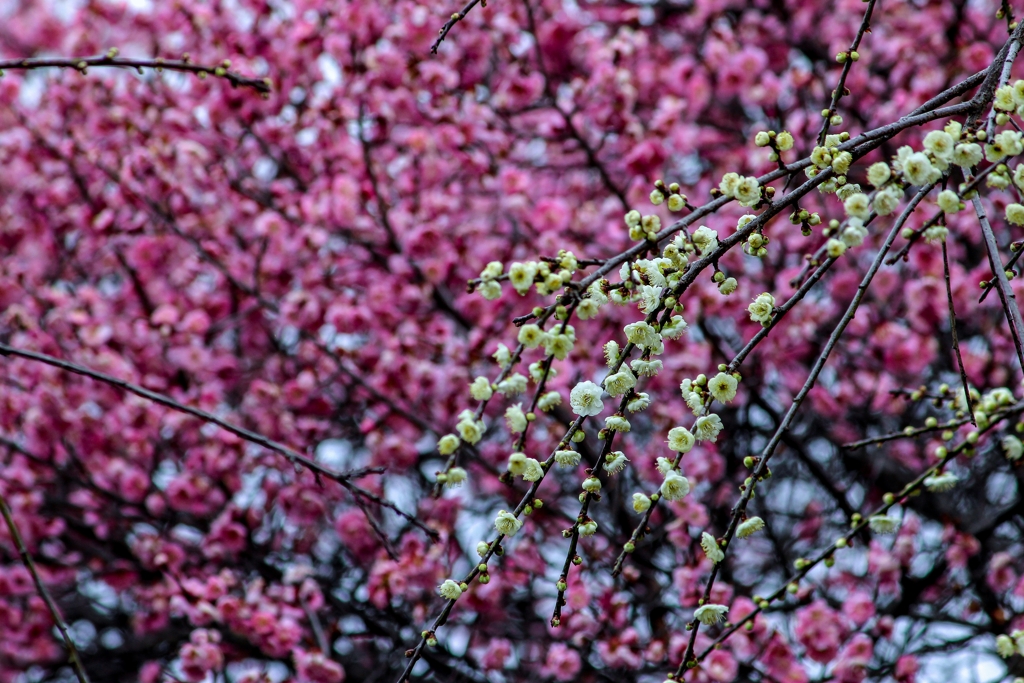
{"x": 567, "y": 458}
{"x": 534, "y": 470}
{"x": 522, "y": 275}
{"x": 639, "y": 402}
{"x": 549, "y": 401}
{"x": 711, "y": 548}
{"x": 480, "y": 389}
{"x": 447, "y": 444}
{"x": 705, "y": 239}
{"x": 515, "y": 418}
{"x": 749, "y": 527}
{"x": 517, "y": 463}
{"x": 531, "y": 336}
{"x": 723, "y": 387}
{"x": 615, "y": 462}
{"x": 641, "y": 503}
{"x": 761, "y": 310}
{"x": 585, "y": 399}
{"x": 675, "y": 486}
{"x": 707, "y": 428}
{"x": 450, "y": 590}
{"x": 680, "y": 440}
{"x": 507, "y": 524}
{"x": 619, "y": 383}
{"x": 883, "y": 525}
{"x": 710, "y": 614}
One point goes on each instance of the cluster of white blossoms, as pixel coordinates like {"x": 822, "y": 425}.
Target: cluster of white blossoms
{"x": 547, "y": 277}
{"x": 828, "y": 156}
{"x": 1010, "y": 99}
{"x": 779, "y": 142}
{"x": 1013, "y": 644}
{"x": 557, "y": 343}
{"x": 762, "y": 308}
{"x": 671, "y": 196}
{"x": 744, "y": 189}
{"x": 529, "y": 469}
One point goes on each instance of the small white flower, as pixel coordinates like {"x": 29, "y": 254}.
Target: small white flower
{"x": 726, "y": 287}
{"x": 918, "y": 169}
{"x": 940, "y": 144}
{"x": 723, "y": 387}
{"x": 882, "y": 524}
{"x": 680, "y": 440}
{"x": 749, "y": 527}
{"x": 480, "y": 389}
{"x": 705, "y": 239}
{"x": 639, "y": 402}
{"x": 967, "y": 154}
{"x": 454, "y": 477}
{"x": 616, "y": 423}
{"x": 650, "y": 297}
{"x": 664, "y": 465}
{"x": 650, "y": 223}
{"x": 853, "y": 234}
{"x": 1005, "y": 647}
{"x": 517, "y": 463}
{"x": 507, "y": 524}
{"x": 522, "y": 275}
{"x": 941, "y": 482}
{"x": 587, "y": 309}
{"x": 515, "y": 418}
{"x": 621, "y": 382}
{"x": 879, "y": 173}
{"x": 449, "y": 590}
{"x": 482, "y": 547}
{"x": 447, "y": 444}
{"x": 558, "y": 345}
{"x": 512, "y": 385}
{"x": 469, "y": 429}
{"x": 729, "y": 183}
{"x": 632, "y": 218}
{"x": 641, "y": 503}
{"x": 1012, "y": 447}
{"x": 531, "y": 336}
{"x": 646, "y": 368}
{"x": 1015, "y": 214}
{"x": 611, "y": 352}
{"x": 936, "y": 234}
{"x": 591, "y": 484}
{"x": 615, "y": 462}
{"x": 641, "y": 334}
{"x": 588, "y": 528}
{"x": 490, "y": 290}
{"x": 707, "y": 428}
{"x": 887, "y": 200}
{"x": 657, "y": 197}
{"x": 491, "y": 271}
{"x": 585, "y": 399}
{"x": 761, "y": 310}
{"x": 502, "y": 356}
{"x": 549, "y": 401}
{"x": 835, "y": 248}
{"x": 567, "y": 458}
{"x": 675, "y": 486}
{"x": 784, "y": 141}
{"x": 710, "y": 614}
{"x": 841, "y": 162}
{"x": 676, "y": 202}
{"x": 674, "y": 328}
{"x": 534, "y": 471}
{"x": 748, "y": 192}
{"x": 711, "y": 548}
{"x": 858, "y": 205}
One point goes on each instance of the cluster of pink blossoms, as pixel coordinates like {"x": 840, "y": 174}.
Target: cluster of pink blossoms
{"x": 289, "y": 424}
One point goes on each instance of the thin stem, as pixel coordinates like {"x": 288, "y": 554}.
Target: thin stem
{"x": 952, "y": 329}
{"x": 26, "y": 557}
{"x": 81, "y": 64}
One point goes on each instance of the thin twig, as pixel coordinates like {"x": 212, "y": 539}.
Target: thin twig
{"x": 952, "y": 329}
{"x": 81, "y": 64}
{"x": 26, "y": 557}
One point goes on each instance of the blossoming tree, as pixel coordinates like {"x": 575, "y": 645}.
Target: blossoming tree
{"x": 576, "y": 342}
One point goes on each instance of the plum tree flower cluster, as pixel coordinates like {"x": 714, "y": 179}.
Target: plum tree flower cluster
{"x": 728, "y": 395}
